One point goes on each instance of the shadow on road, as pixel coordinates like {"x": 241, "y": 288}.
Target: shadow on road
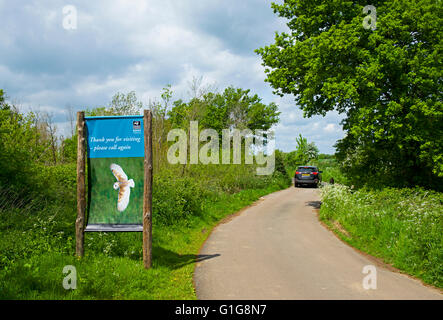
{"x": 314, "y": 204}
{"x": 172, "y": 260}
{"x": 201, "y": 257}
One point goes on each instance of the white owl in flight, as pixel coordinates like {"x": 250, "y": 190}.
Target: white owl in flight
{"x": 123, "y": 185}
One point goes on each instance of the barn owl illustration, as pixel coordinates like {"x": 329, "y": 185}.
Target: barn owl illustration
{"x": 123, "y": 185}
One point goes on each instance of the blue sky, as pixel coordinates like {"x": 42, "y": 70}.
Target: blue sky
{"x": 120, "y": 46}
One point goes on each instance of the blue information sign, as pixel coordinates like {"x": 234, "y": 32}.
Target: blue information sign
{"x": 115, "y": 148}
{"x": 116, "y": 137}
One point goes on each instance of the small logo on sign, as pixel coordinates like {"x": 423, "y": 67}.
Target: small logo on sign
{"x": 136, "y": 126}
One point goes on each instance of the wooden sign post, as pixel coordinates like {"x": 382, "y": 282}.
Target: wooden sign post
{"x": 81, "y": 199}
{"x": 147, "y": 193}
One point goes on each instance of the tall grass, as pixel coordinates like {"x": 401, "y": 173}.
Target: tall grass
{"x": 402, "y": 226}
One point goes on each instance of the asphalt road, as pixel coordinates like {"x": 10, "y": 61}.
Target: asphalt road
{"x": 277, "y": 249}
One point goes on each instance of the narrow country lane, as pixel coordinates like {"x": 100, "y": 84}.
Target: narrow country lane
{"x": 277, "y": 249}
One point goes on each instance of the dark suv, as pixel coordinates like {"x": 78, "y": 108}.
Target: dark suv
{"x": 307, "y": 175}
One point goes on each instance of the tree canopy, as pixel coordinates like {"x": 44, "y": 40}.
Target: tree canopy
{"x": 304, "y": 154}
{"x": 121, "y": 104}
{"x": 386, "y": 81}
{"x": 234, "y": 107}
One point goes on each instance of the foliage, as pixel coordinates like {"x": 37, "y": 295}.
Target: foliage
{"x": 324, "y": 156}
{"x": 402, "y": 226}
{"x": 160, "y": 126}
{"x": 176, "y": 199}
{"x": 280, "y": 165}
{"x": 386, "y": 81}
{"x": 69, "y": 149}
{"x": 304, "y": 154}
{"x": 305, "y": 151}
{"x": 20, "y": 147}
{"x": 332, "y": 170}
{"x": 121, "y": 104}
{"x": 234, "y": 108}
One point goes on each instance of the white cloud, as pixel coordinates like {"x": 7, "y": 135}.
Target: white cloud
{"x": 330, "y": 127}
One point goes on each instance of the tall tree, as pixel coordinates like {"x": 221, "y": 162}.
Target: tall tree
{"x": 235, "y": 107}
{"x": 303, "y": 154}
{"x": 21, "y": 146}
{"x": 121, "y": 104}
{"x": 387, "y": 80}
{"x": 160, "y": 125}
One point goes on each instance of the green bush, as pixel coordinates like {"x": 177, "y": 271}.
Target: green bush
{"x": 333, "y": 171}
{"x": 176, "y": 198}
{"x": 57, "y": 183}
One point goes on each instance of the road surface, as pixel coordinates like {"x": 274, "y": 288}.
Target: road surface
{"x": 277, "y": 249}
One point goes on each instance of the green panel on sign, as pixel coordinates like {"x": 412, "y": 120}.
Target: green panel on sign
{"x": 104, "y": 190}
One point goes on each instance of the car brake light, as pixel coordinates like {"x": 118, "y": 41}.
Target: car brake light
{"x": 315, "y": 173}
{"x": 296, "y": 172}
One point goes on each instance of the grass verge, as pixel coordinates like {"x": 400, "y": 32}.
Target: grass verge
{"x": 403, "y": 227}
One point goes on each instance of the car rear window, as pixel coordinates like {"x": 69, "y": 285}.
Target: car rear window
{"x": 306, "y": 170}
